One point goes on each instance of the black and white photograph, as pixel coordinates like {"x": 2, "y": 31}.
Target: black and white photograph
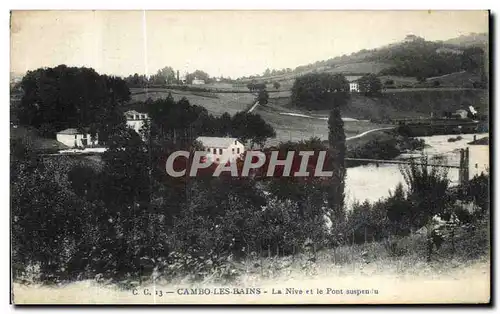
{"x": 179, "y": 157}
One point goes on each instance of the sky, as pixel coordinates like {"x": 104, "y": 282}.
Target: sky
{"x": 227, "y": 43}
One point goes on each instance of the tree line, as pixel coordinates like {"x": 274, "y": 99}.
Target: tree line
{"x": 68, "y": 97}
{"x": 75, "y": 219}
{"x": 168, "y": 76}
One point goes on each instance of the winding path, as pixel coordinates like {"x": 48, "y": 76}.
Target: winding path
{"x": 367, "y": 132}
{"x": 306, "y": 116}
{"x": 253, "y": 107}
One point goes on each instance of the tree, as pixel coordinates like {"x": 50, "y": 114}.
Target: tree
{"x": 126, "y": 169}
{"x": 427, "y": 194}
{"x": 320, "y": 91}
{"x": 276, "y": 85}
{"x": 69, "y": 97}
{"x": 167, "y": 74}
{"x": 263, "y": 97}
{"x": 397, "y": 207}
{"x": 249, "y": 126}
{"x": 337, "y": 151}
{"x": 198, "y": 74}
{"x": 370, "y": 85}
{"x": 473, "y": 60}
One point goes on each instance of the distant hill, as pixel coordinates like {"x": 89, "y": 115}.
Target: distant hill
{"x": 412, "y": 57}
{"x": 471, "y": 40}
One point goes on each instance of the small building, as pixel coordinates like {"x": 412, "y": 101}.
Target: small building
{"x": 74, "y": 138}
{"x": 222, "y": 149}
{"x": 197, "y": 81}
{"x": 135, "y": 120}
{"x": 461, "y": 114}
{"x": 353, "y": 83}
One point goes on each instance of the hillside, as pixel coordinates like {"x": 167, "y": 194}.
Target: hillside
{"x": 215, "y": 103}
{"x": 416, "y": 103}
{"x": 402, "y": 103}
{"x": 471, "y": 40}
{"x": 361, "y": 112}
{"x": 412, "y": 57}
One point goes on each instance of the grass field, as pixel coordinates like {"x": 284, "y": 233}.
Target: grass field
{"x": 360, "y": 67}
{"x": 215, "y": 103}
{"x": 403, "y": 103}
{"x": 30, "y": 136}
{"x": 296, "y": 128}
{"x": 462, "y": 79}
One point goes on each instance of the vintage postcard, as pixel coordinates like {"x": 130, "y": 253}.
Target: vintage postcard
{"x": 250, "y": 157}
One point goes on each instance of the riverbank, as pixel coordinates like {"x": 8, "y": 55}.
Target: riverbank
{"x": 367, "y": 273}
{"x": 384, "y": 144}
{"x": 364, "y": 182}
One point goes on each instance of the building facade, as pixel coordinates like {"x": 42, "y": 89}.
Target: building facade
{"x": 222, "y": 149}
{"x": 353, "y": 83}
{"x": 73, "y": 138}
{"x": 461, "y": 114}
{"x": 135, "y": 120}
{"x": 198, "y": 82}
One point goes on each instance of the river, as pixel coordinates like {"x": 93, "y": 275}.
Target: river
{"x": 372, "y": 182}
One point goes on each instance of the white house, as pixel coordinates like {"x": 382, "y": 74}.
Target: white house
{"x": 353, "y": 83}
{"x": 73, "y": 138}
{"x": 222, "y": 149}
{"x": 135, "y": 120}
{"x": 197, "y": 81}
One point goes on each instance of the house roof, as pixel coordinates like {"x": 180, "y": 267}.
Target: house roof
{"x": 132, "y": 112}
{"x": 352, "y": 78}
{"x": 209, "y": 141}
{"x": 70, "y": 131}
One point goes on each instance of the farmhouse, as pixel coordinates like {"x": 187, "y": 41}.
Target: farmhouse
{"x": 222, "y": 149}
{"x": 353, "y": 83}
{"x": 135, "y": 120}
{"x": 74, "y": 138}
{"x": 460, "y": 113}
{"x": 198, "y": 81}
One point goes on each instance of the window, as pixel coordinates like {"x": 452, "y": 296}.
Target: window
{"x": 208, "y": 149}
{"x": 235, "y": 143}
{"x": 233, "y": 150}
{"x": 220, "y": 151}
{"x": 238, "y": 151}
{"x": 75, "y": 136}
{"x": 215, "y": 150}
